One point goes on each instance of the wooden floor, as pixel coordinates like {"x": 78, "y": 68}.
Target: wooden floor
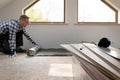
{"x": 23, "y": 67}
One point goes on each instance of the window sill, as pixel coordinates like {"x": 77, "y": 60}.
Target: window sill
{"x": 96, "y": 23}
{"x": 48, "y": 23}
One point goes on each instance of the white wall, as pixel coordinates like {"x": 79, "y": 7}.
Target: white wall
{"x": 51, "y": 36}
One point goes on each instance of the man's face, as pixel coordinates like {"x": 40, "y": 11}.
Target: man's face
{"x": 24, "y": 22}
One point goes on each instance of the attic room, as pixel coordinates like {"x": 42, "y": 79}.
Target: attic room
{"x": 59, "y": 40}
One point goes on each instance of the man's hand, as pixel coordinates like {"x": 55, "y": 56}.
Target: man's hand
{"x": 12, "y": 53}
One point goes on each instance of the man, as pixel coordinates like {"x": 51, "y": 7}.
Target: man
{"x": 11, "y": 32}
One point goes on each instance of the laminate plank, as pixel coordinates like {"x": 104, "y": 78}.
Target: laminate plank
{"x": 111, "y": 72}
{"x": 104, "y": 56}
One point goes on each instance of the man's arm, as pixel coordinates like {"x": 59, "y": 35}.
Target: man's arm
{"x": 12, "y": 38}
{"x": 28, "y": 37}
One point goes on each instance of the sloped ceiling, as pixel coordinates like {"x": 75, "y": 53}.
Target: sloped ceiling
{"x": 116, "y": 3}
{"x": 4, "y": 2}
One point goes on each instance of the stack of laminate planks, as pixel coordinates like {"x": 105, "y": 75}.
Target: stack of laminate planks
{"x": 98, "y": 64}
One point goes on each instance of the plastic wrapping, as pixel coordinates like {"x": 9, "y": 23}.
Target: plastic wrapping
{"x": 33, "y": 51}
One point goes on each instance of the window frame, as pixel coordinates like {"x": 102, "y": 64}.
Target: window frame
{"x": 34, "y": 2}
{"x": 107, "y": 4}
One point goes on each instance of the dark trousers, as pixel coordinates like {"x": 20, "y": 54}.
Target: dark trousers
{"x": 4, "y": 44}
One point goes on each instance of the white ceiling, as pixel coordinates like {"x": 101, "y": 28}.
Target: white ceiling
{"x": 116, "y": 3}
{"x": 4, "y": 2}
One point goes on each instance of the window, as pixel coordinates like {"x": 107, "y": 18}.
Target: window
{"x": 98, "y": 11}
{"x": 46, "y": 11}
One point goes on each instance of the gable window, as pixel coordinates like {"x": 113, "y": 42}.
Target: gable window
{"x": 48, "y": 11}
{"x": 96, "y": 11}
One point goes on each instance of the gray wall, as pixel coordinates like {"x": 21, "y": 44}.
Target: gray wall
{"x": 51, "y": 36}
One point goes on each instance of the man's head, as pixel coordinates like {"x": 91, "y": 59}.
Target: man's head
{"x": 24, "y": 20}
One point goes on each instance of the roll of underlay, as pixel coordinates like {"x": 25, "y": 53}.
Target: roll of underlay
{"x": 33, "y": 51}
